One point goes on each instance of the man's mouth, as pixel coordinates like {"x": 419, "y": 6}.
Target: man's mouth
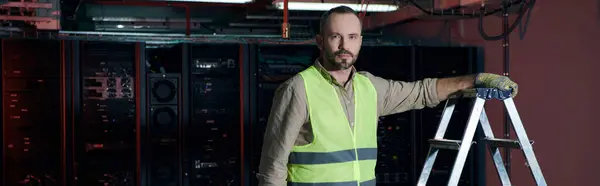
{"x": 344, "y": 55}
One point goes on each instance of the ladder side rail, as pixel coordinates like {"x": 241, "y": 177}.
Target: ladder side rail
{"x": 494, "y": 150}
{"x": 446, "y": 117}
{"x": 433, "y": 152}
{"x": 466, "y": 142}
{"x": 526, "y": 146}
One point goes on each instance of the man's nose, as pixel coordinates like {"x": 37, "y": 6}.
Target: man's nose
{"x": 342, "y": 44}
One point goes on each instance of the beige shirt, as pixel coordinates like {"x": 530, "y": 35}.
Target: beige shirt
{"x": 288, "y": 122}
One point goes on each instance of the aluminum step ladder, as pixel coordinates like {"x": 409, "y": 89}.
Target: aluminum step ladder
{"x": 478, "y": 116}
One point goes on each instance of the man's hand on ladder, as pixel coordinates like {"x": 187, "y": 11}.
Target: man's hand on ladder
{"x": 488, "y": 80}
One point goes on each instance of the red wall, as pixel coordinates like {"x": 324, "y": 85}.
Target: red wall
{"x": 557, "y": 67}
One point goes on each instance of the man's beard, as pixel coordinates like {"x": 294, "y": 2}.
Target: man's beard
{"x": 342, "y": 65}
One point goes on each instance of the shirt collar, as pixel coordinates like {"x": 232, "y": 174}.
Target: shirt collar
{"x": 328, "y": 76}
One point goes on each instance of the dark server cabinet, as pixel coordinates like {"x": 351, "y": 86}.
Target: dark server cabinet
{"x": 213, "y": 138}
{"x": 440, "y": 62}
{"x": 32, "y": 113}
{"x": 164, "y": 127}
{"x": 104, "y": 133}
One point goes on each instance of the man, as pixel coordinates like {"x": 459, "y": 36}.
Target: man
{"x": 323, "y": 121}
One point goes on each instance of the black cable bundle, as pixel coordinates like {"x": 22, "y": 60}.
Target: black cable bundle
{"x": 524, "y": 7}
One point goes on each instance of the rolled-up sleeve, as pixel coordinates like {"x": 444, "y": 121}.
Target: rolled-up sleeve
{"x": 288, "y": 114}
{"x": 400, "y": 96}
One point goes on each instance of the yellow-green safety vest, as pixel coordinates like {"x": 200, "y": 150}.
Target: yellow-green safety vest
{"x": 339, "y": 154}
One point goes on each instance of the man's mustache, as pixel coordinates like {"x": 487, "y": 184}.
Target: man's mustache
{"x": 340, "y": 52}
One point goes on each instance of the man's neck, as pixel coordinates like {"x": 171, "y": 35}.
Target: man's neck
{"x": 340, "y": 75}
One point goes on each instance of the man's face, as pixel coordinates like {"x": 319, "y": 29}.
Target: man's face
{"x": 340, "y": 40}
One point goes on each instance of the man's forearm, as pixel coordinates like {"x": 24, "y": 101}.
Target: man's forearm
{"x": 448, "y": 86}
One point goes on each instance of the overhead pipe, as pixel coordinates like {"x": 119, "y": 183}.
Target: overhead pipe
{"x": 315, "y": 18}
{"x": 263, "y": 25}
{"x": 285, "y": 26}
{"x": 187, "y": 21}
{"x": 167, "y": 4}
{"x": 26, "y": 5}
{"x": 148, "y": 20}
{"x": 164, "y": 3}
{"x": 26, "y": 18}
{"x": 104, "y": 26}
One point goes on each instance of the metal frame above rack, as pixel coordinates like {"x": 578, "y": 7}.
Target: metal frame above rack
{"x": 160, "y": 38}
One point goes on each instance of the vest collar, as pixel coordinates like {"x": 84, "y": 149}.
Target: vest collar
{"x": 329, "y": 78}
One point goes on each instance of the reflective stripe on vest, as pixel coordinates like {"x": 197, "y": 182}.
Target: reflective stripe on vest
{"x": 332, "y": 157}
{"x": 371, "y": 182}
{"x": 339, "y": 155}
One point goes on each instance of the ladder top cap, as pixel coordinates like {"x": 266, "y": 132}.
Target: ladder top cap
{"x": 484, "y": 93}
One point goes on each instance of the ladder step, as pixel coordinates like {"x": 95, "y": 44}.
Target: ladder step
{"x": 499, "y": 142}
{"x": 445, "y": 144}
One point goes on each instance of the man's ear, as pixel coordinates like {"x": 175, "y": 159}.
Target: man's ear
{"x": 361, "y": 40}
{"x": 319, "y": 41}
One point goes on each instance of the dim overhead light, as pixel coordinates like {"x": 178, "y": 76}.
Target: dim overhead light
{"x": 317, "y": 6}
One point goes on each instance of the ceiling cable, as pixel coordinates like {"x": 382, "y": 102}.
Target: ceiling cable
{"x": 524, "y": 7}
